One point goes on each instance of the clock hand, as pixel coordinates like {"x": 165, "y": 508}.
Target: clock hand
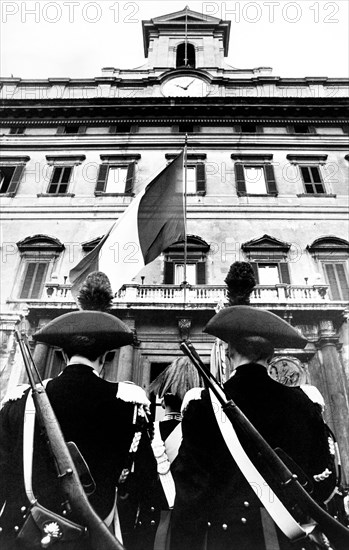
{"x": 179, "y": 86}
{"x": 187, "y": 86}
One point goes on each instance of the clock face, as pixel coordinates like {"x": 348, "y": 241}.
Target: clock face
{"x": 184, "y": 86}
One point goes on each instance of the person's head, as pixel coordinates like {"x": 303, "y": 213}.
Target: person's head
{"x": 173, "y": 383}
{"x": 253, "y": 333}
{"x": 251, "y": 349}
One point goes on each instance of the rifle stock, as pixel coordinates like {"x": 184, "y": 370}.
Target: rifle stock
{"x": 337, "y": 533}
{"x": 99, "y": 535}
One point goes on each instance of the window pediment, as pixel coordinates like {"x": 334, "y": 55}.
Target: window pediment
{"x": 329, "y": 246}
{"x": 266, "y": 247}
{"x": 38, "y": 243}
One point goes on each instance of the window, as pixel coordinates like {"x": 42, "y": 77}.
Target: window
{"x": 190, "y": 274}
{"x": 331, "y": 256}
{"x": 122, "y": 128}
{"x": 116, "y": 179}
{"x": 186, "y": 127}
{"x": 60, "y": 179}
{"x": 117, "y": 174}
{"x": 268, "y": 258}
{"x": 17, "y": 130}
{"x": 196, "y": 172}
{"x": 185, "y": 55}
{"x": 248, "y": 127}
{"x": 302, "y": 128}
{"x": 337, "y": 278}
{"x": 71, "y": 129}
{"x": 197, "y": 250}
{"x": 270, "y": 274}
{"x": 38, "y": 256}
{"x": 312, "y": 179}
{"x": 11, "y": 171}
{"x": 253, "y": 177}
{"x": 33, "y": 280}
{"x": 255, "y": 180}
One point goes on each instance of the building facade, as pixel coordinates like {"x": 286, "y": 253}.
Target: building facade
{"x": 267, "y": 182}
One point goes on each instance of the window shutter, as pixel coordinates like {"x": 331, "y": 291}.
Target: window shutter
{"x": 255, "y": 271}
{"x": 168, "y": 273}
{"x": 39, "y": 278}
{"x": 343, "y": 282}
{"x": 284, "y": 273}
{"x": 332, "y": 281}
{"x": 60, "y": 130}
{"x": 201, "y": 273}
{"x": 240, "y": 179}
{"x": 16, "y": 177}
{"x": 28, "y": 280}
{"x": 82, "y": 129}
{"x": 270, "y": 178}
{"x": 102, "y": 178}
{"x": 130, "y": 177}
{"x": 200, "y": 177}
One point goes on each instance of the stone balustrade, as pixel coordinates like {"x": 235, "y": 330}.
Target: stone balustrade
{"x": 199, "y": 295}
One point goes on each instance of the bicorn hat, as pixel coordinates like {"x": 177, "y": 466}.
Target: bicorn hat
{"x": 103, "y": 329}
{"x": 235, "y": 322}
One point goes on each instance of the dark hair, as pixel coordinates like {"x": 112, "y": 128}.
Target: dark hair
{"x": 85, "y": 346}
{"x": 254, "y": 347}
{"x": 172, "y": 401}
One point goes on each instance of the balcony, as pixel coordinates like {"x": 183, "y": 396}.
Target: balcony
{"x": 138, "y": 296}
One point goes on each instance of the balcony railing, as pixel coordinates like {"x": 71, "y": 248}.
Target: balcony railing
{"x": 199, "y": 295}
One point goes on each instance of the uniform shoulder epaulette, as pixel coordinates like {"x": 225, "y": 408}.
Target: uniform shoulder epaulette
{"x": 15, "y": 394}
{"x": 131, "y": 393}
{"x": 192, "y": 395}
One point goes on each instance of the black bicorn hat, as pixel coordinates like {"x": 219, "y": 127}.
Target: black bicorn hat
{"x": 235, "y": 322}
{"x": 106, "y": 331}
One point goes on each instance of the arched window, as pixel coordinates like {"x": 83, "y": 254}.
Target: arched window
{"x": 332, "y": 255}
{"x": 38, "y": 256}
{"x": 197, "y": 250}
{"x": 185, "y": 55}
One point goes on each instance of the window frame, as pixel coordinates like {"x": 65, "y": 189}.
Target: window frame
{"x": 18, "y": 164}
{"x": 343, "y": 292}
{"x": 196, "y": 160}
{"x": 243, "y": 161}
{"x": 38, "y": 249}
{"x": 63, "y": 168}
{"x": 117, "y": 160}
{"x": 197, "y": 252}
{"x": 313, "y": 184}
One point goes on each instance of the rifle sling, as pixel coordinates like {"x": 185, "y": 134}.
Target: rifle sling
{"x": 279, "y": 513}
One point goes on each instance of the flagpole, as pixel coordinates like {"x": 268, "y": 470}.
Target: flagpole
{"x": 185, "y": 218}
{"x": 186, "y": 38}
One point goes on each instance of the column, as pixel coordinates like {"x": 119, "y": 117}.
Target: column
{"x": 335, "y": 389}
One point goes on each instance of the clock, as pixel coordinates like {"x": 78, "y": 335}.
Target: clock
{"x": 185, "y": 86}
{"x": 287, "y": 371}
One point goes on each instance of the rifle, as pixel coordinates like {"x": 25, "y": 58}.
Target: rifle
{"x": 100, "y": 537}
{"x": 293, "y": 492}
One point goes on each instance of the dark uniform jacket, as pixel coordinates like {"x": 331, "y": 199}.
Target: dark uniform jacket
{"x": 153, "y": 503}
{"x": 214, "y": 502}
{"x": 90, "y": 414}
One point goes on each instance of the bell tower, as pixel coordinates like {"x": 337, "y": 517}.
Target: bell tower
{"x": 186, "y": 39}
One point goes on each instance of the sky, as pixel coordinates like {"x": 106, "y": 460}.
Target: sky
{"x": 77, "y": 38}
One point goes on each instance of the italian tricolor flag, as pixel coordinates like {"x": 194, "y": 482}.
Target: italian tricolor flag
{"x": 153, "y": 221}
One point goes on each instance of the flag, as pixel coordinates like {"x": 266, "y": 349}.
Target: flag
{"x": 153, "y": 221}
